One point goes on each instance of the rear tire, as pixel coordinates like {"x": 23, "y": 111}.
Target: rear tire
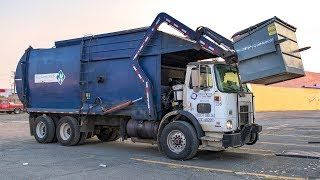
{"x": 68, "y": 131}
{"x": 108, "y": 135}
{"x": 44, "y": 129}
{"x": 17, "y": 111}
{"x": 179, "y": 140}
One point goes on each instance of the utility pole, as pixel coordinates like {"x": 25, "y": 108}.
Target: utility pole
{"x": 14, "y": 82}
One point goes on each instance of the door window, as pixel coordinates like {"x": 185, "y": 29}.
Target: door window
{"x": 205, "y": 77}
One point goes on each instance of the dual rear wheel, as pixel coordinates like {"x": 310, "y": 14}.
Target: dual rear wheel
{"x": 66, "y": 131}
{"x": 44, "y": 129}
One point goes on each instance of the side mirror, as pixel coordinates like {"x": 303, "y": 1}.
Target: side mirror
{"x": 195, "y": 76}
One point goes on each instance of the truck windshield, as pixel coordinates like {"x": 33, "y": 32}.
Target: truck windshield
{"x": 228, "y": 79}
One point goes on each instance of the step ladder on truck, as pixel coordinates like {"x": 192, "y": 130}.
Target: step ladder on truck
{"x": 168, "y": 97}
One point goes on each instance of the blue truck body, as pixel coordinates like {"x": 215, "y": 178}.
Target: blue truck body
{"x": 106, "y": 56}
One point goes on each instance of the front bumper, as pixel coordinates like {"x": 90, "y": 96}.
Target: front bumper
{"x": 239, "y": 139}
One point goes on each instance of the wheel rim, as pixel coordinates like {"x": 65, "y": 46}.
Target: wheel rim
{"x": 41, "y": 129}
{"x": 176, "y": 141}
{"x": 65, "y": 131}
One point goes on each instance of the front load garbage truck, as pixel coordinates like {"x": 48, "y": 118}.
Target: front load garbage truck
{"x": 155, "y": 87}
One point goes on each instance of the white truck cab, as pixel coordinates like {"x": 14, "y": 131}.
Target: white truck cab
{"x": 222, "y": 105}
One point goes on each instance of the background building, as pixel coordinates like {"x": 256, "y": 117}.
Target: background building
{"x": 297, "y": 94}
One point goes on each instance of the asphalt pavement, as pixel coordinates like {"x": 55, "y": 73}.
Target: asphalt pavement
{"x": 287, "y": 134}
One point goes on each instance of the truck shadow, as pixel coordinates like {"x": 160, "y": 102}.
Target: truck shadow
{"x": 205, "y": 155}
{"x": 140, "y": 150}
{"x": 152, "y": 150}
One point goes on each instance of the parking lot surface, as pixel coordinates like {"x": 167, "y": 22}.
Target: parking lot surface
{"x": 293, "y": 133}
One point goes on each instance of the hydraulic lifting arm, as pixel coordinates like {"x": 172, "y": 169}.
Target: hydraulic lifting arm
{"x": 209, "y": 40}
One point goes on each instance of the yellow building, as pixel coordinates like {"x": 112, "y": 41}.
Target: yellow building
{"x": 298, "y": 94}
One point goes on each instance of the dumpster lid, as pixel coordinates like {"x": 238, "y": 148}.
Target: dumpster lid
{"x": 262, "y": 24}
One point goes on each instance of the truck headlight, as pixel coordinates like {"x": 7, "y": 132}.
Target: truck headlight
{"x": 229, "y": 124}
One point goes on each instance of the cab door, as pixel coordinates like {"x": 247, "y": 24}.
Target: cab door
{"x": 199, "y": 97}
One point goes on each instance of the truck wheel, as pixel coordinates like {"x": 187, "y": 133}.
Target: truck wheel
{"x": 68, "y": 131}
{"x": 17, "y": 111}
{"x": 253, "y": 139}
{"x": 108, "y": 135}
{"x": 44, "y": 129}
{"x": 179, "y": 140}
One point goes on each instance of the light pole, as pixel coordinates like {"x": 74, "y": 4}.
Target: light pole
{"x": 14, "y": 82}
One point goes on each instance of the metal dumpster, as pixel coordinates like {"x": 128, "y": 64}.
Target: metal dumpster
{"x": 268, "y": 52}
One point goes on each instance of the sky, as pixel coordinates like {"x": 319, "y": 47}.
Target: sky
{"x": 40, "y": 23}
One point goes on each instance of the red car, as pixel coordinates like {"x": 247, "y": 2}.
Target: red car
{"x": 9, "y": 107}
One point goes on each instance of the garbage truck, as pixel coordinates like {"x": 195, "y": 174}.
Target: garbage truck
{"x": 182, "y": 93}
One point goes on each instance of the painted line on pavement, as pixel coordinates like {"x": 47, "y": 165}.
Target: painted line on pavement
{"x": 253, "y": 149}
{"x": 252, "y": 153}
{"x": 288, "y": 144}
{"x": 260, "y": 152}
{"x": 295, "y": 129}
{"x": 288, "y": 135}
{"x": 277, "y": 127}
{"x": 304, "y": 127}
{"x": 15, "y": 121}
{"x": 216, "y": 169}
{"x": 308, "y": 130}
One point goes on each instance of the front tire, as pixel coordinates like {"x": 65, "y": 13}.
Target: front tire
{"x": 179, "y": 140}
{"x": 68, "y": 131}
{"x": 44, "y": 129}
